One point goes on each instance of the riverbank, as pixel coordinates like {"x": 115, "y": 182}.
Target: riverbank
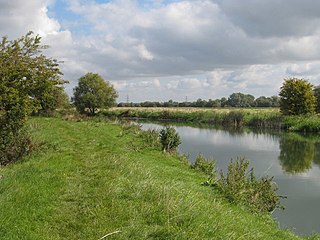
{"x": 263, "y": 118}
{"x": 92, "y": 179}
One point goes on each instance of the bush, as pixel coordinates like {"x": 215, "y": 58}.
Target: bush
{"x": 207, "y": 166}
{"x": 241, "y": 185}
{"x": 151, "y": 138}
{"x": 14, "y": 147}
{"x": 169, "y": 139}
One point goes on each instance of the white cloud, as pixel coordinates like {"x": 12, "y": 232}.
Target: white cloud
{"x": 190, "y": 84}
{"x": 144, "y": 53}
{"x": 208, "y": 48}
{"x": 17, "y": 17}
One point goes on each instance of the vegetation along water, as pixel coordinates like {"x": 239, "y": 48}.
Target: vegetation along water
{"x": 293, "y": 159}
{"x": 261, "y": 118}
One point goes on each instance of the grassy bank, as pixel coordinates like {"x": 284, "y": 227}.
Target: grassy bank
{"x": 92, "y": 179}
{"x": 266, "y": 118}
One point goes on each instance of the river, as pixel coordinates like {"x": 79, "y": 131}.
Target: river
{"x": 293, "y": 159}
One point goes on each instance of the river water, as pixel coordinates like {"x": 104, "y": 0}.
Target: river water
{"x": 292, "y": 159}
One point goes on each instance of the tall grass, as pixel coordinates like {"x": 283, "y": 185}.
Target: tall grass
{"x": 256, "y": 118}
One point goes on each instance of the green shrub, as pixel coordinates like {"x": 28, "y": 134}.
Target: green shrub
{"x": 241, "y": 185}
{"x": 14, "y": 147}
{"x": 207, "y": 166}
{"x": 169, "y": 139}
{"x": 234, "y": 118}
{"x": 151, "y": 138}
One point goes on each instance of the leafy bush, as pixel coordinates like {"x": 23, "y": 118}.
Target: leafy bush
{"x": 207, "y": 166}
{"x": 151, "y": 138}
{"x": 14, "y": 147}
{"x": 241, "y": 185}
{"x": 169, "y": 139}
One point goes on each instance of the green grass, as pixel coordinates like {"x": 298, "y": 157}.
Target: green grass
{"x": 91, "y": 179}
{"x": 260, "y": 118}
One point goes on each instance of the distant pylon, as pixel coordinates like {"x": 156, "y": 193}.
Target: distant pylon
{"x": 186, "y": 98}
{"x": 127, "y": 98}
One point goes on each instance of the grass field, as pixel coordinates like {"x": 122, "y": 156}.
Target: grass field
{"x": 92, "y": 179}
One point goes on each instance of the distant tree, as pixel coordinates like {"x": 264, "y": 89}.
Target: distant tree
{"x": 93, "y": 92}
{"x": 212, "y": 103}
{"x": 297, "y": 97}
{"x": 223, "y": 102}
{"x": 240, "y": 100}
{"x": 275, "y": 101}
{"x": 263, "y": 102}
{"x": 200, "y": 103}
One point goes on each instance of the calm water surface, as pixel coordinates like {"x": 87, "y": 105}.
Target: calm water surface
{"x": 291, "y": 158}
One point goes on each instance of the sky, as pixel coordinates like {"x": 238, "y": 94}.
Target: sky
{"x": 173, "y": 49}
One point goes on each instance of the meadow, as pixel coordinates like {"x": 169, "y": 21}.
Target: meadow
{"x": 101, "y": 180}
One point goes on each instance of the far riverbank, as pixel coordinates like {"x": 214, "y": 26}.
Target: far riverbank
{"x": 261, "y": 118}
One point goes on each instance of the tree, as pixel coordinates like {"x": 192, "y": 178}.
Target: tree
{"x": 263, "y": 102}
{"x": 297, "y": 97}
{"x": 23, "y": 69}
{"x": 317, "y": 94}
{"x": 93, "y": 92}
{"x": 240, "y": 100}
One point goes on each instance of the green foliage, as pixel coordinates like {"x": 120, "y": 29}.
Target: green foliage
{"x": 309, "y": 123}
{"x": 240, "y": 100}
{"x": 27, "y": 82}
{"x": 241, "y": 185}
{"x": 258, "y": 118}
{"x": 297, "y": 97}
{"x": 14, "y": 147}
{"x": 317, "y": 94}
{"x": 151, "y": 138}
{"x": 207, "y": 166}
{"x": 93, "y": 92}
{"x": 234, "y": 119}
{"x": 169, "y": 139}
{"x": 296, "y": 154}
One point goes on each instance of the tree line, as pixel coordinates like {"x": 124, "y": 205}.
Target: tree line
{"x": 240, "y": 100}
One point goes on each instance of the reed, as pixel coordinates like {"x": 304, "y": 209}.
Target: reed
{"x": 265, "y": 118}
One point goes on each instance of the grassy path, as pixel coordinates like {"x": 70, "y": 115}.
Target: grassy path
{"x": 97, "y": 178}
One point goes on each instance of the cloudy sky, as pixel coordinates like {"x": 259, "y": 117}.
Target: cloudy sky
{"x": 170, "y": 49}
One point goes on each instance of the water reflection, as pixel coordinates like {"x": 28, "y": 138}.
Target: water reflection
{"x": 297, "y": 152}
{"x": 316, "y": 159}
